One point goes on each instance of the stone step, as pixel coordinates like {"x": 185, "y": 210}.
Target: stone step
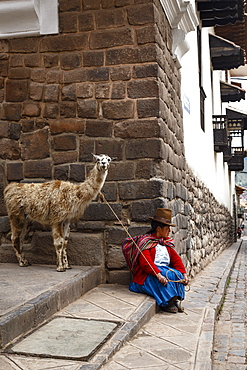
{"x": 31, "y": 295}
{"x": 84, "y": 249}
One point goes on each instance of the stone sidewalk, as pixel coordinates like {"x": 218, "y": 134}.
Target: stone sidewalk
{"x": 230, "y": 349}
{"x": 126, "y": 329}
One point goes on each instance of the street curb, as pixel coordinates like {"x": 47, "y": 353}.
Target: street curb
{"x": 33, "y": 313}
{"x": 203, "y": 359}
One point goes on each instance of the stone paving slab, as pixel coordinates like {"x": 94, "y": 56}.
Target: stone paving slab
{"x": 69, "y": 338}
{"x": 230, "y": 334}
{"x": 183, "y": 340}
{"x": 147, "y": 339}
{"x": 30, "y": 295}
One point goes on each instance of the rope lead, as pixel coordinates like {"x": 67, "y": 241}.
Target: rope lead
{"x": 126, "y": 230}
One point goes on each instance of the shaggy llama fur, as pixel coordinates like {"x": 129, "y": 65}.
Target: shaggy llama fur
{"x": 54, "y": 203}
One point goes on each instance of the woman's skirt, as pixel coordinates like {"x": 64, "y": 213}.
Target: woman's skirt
{"x": 162, "y": 293}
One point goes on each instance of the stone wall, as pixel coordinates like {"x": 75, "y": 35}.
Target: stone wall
{"x": 106, "y": 84}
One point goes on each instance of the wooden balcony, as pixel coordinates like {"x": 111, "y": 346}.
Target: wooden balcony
{"x": 220, "y": 124}
{"x": 236, "y": 163}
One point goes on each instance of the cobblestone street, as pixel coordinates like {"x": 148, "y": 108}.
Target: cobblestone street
{"x": 231, "y": 328}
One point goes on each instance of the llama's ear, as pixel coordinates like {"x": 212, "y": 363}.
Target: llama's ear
{"x": 95, "y": 156}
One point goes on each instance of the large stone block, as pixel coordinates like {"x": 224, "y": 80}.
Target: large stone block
{"x": 143, "y": 88}
{"x": 98, "y": 128}
{"x": 98, "y": 74}
{"x": 64, "y": 142}
{"x": 65, "y": 157}
{"x": 31, "y": 109}
{"x": 149, "y": 148}
{"x": 9, "y": 149}
{"x": 115, "y": 258}
{"x": 11, "y": 111}
{"x": 122, "y": 73}
{"x": 19, "y": 73}
{"x": 110, "y": 18}
{"x": 148, "y": 108}
{"x": 35, "y": 145}
{"x": 51, "y": 110}
{"x": 121, "y": 171}
{"x": 24, "y": 45}
{"x": 68, "y": 109}
{"x": 86, "y": 21}
{"x": 111, "y": 38}
{"x": 77, "y": 172}
{"x": 131, "y": 55}
{"x": 137, "y": 128}
{"x": 87, "y": 109}
{"x": 72, "y": 5}
{"x": 93, "y": 58}
{"x": 39, "y": 168}
{"x": 64, "y": 42}
{"x": 146, "y": 35}
{"x": 141, "y": 14}
{"x": 4, "y": 223}
{"x": 85, "y": 90}
{"x": 70, "y": 60}
{"x": 111, "y": 147}
{"x": 118, "y": 109}
{"x": 83, "y": 249}
{"x": 110, "y": 191}
{"x": 15, "y": 171}
{"x": 36, "y": 91}
{"x": 143, "y": 209}
{"x": 4, "y": 129}
{"x": 146, "y": 70}
{"x": 142, "y": 189}
{"x": 102, "y": 212}
{"x": 68, "y": 23}
{"x": 51, "y": 93}
{"x": 16, "y": 90}
{"x": 115, "y": 235}
{"x": 67, "y": 125}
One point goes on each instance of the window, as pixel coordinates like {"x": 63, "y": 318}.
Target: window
{"x": 202, "y": 92}
{"x": 20, "y": 18}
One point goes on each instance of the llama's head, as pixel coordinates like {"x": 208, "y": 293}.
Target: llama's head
{"x": 102, "y": 161}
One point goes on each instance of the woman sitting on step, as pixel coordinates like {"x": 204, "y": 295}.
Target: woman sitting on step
{"x": 157, "y": 268}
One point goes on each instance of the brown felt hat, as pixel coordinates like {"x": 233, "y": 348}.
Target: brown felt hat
{"x": 163, "y": 215}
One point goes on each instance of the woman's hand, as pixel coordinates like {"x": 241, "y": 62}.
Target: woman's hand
{"x": 186, "y": 280}
{"x": 162, "y": 279}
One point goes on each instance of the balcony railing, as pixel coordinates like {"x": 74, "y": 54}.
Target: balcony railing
{"x": 236, "y": 163}
{"x": 220, "y": 124}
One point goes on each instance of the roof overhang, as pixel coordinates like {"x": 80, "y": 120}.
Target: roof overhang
{"x": 220, "y": 12}
{"x": 239, "y": 189}
{"x": 231, "y": 92}
{"x": 235, "y": 32}
{"x": 237, "y": 114}
{"x": 225, "y": 54}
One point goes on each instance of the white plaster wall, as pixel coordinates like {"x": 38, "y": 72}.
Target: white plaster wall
{"x": 207, "y": 165}
{"x": 20, "y": 18}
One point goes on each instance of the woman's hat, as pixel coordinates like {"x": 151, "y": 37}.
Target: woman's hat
{"x": 163, "y": 215}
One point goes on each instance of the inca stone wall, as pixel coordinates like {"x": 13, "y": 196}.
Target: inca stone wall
{"x": 106, "y": 84}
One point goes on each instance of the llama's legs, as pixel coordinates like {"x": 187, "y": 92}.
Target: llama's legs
{"x": 66, "y": 239}
{"x": 17, "y": 225}
{"x": 58, "y": 238}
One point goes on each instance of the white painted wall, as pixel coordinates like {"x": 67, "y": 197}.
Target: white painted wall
{"x": 207, "y": 165}
{"x": 21, "y": 18}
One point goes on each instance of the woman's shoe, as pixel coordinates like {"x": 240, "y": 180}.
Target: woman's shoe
{"x": 170, "y": 308}
{"x": 179, "y": 306}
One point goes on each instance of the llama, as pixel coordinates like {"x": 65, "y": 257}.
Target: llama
{"x": 54, "y": 203}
